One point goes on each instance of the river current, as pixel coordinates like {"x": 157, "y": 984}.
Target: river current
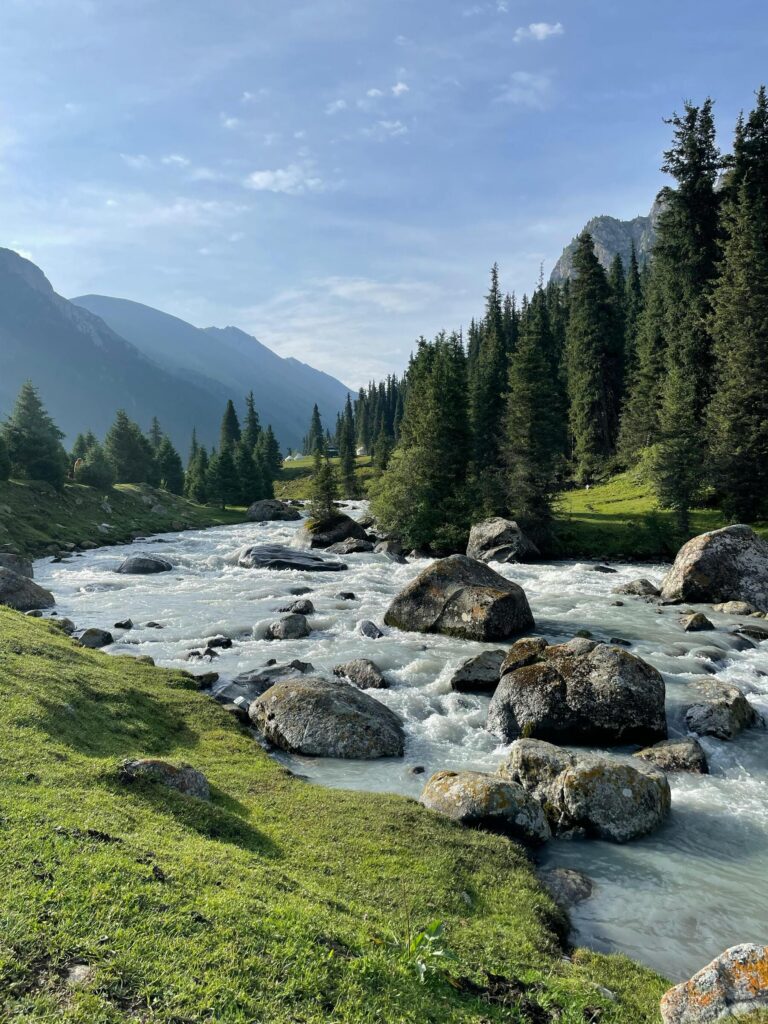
{"x": 672, "y": 900}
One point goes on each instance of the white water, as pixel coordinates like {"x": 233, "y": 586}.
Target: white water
{"x": 673, "y": 900}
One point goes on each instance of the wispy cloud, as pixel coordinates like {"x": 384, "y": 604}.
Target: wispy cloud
{"x": 229, "y": 122}
{"x": 399, "y": 89}
{"x": 253, "y": 97}
{"x": 136, "y": 161}
{"x": 292, "y": 180}
{"x": 336, "y": 106}
{"x": 374, "y": 93}
{"x": 175, "y": 160}
{"x": 527, "y": 89}
{"x": 538, "y": 31}
{"x": 383, "y": 130}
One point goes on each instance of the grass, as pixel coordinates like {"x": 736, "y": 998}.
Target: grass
{"x": 35, "y": 519}
{"x": 275, "y": 903}
{"x": 295, "y": 478}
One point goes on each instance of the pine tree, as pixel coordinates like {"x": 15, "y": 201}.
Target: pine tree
{"x": 129, "y": 452}
{"x": 194, "y": 448}
{"x": 33, "y": 440}
{"x": 5, "y": 460}
{"x": 248, "y": 474}
{"x": 324, "y": 488}
{"x": 169, "y": 467}
{"x": 268, "y": 451}
{"x": 196, "y": 478}
{"x": 633, "y": 307}
{"x": 313, "y": 442}
{"x": 94, "y": 469}
{"x": 347, "y": 459}
{"x": 382, "y": 452}
{"x": 230, "y": 427}
{"x": 155, "y": 434}
{"x": 79, "y": 448}
{"x": 252, "y": 428}
{"x": 222, "y": 483}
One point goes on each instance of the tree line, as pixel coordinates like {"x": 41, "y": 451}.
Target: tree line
{"x": 241, "y": 470}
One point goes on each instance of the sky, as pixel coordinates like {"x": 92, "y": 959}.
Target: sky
{"x": 336, "y": 177}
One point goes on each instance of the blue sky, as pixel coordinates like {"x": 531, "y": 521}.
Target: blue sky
{"x": 337, "y": 176}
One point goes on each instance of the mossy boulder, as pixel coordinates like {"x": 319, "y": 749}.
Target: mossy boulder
{"x": 23, "y": 594}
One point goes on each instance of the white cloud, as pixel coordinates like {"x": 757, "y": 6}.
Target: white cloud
{"x": 382, "y": 130}
{"x": 539, "y": 31}
{"x": 228, "y": 122}
{"x": 292, "y": 180}
{"x": 175, "y": 160}
{"x": 399, "y": 89}
{"x": 336, "y": 106}
{"x": 374, "y": 93}
{"x": 204, "y": 174}
{"x": 526, "y": 89}
{"x": 137, "y": 161}
{"x": 395, "y": 297}
{"x": 254, "y": 97}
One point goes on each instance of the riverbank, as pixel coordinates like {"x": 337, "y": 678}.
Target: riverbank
{"x": 36, "y": 520}
{"x": 278, "y": 901}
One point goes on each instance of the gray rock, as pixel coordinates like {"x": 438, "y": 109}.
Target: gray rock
{"x": 65, "y": 625}
{"x": 22, "y": 593}
{"x": 370, "y": 629}
{"x": 18, "y": 564}
{"x": 323, "y": 718}
{"x": 578, "y": 692}
{"x": 93, "y": 638}
{"x": 637, "y": 588}
{"x": 607, "y": 570}
{"x": 461, "y": 597}
{"x": 124, "y": 624}
{"x": 322, "y": 533}
{"x": 585, "y": 794}
{"x": 279, "y": 556}
{"x": 753, "y": 632}
{"x": 220, "y": 642}
{"x": 346, "y": 595}
{"x": 301, "y": 607}
{"x": 678, "y": 755}
{"x": 479, "y": 674}
{"x": 733, "y": 985}
{"x": 144, "y": 565}
{"x": 350, "y": 546}
{"x": 723, "y": 565}
{"x": 734, "y": 608}
{"x": 363, "y": 673}
{"x": 696, "y": 622}
{"x": 486, "y": 801}
{"x": 566, "y": 886}
{"x": 290, "y": 627}
{"x": 270, "y": 510}
{"x": 500, "y": 540}
{"x": 722, "y": 712}
{"x": 183, "y": 779}
{"x": 393, "y": 549}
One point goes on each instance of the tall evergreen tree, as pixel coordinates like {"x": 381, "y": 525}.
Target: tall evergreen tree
{"x": 155, "y": 433}
{"x": 252, "y": 427}
{"x": 314, "y": 440}
{"x": 222, "y": 483}
{"x": 170, "y": 468}
{"x": 194, "y": 447}
{"x": 94, "y": 469}
{"x": 33, "y": 440}
{"x": 196, "y": 477}
{"x": 248, "y": 474}
{"x": 229, "y": 434}
{"x": 129, "y": 452}
{"x": 5, "y": 460}
{"x": 633, "y": 307}
{"x": 347, "y": 459}
{"x": 324, "y": 488}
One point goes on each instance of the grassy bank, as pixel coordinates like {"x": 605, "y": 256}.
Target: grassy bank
{"x": 36, "y": 519}
{"x": 277, "y": 902}
{"x": 295, "y": 477}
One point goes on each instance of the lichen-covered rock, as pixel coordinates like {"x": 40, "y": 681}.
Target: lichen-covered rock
{"x": 323, "y": 718}
{"x": 479, "y": 674}
{"x": 17, "y": 563}
{"x": 586, "y": 794}
{"x": 185, "y": 779}
{"x": 500, "y": 540}
{"x": 578, "y": 692}
{"x": 723, "y": 565}
{"x": 93, "y": 638}
{"x": 478, "y": 799}
{"x": 734, "y": 608}
{"x": 525, "y": 651}
{"x": 461, "y": 597}
{"x": 722, "y": 712}
{"x": 290, "y": 627}
{"x": 733, "y": 985}
{"x": 637, "y": 588}
{"x": 696, "y": 622}
{"x": 678, "y": 755}
{"x": 281, "y": 557}
{"x": 322, "y": 533}
{"x": 22, "y": 593}
{"x": 144, "y": 565}
{"x": 364, "y": 673}
{"x": 270, "y": 510}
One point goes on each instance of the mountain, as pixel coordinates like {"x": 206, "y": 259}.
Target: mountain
{"x": 85, "y": 370}
{"x": 612, "y": 236}
{"x": 228, "y": 358}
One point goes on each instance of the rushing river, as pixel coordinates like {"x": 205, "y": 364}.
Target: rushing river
{"x": 673, "y": 900}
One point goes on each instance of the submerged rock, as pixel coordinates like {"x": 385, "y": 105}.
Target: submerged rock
{"x": 270, "y": 510}
{"x": 184, "y": 779}
{"x": 479, "y": 674}
{"x": 364, "y": 673}
{"x": 733, "y": 985}
{"x": 567, "y": 886}
{"x": 22, "y": 593}
{"x": 323, "y": 718}
{"x": 585, "y": 794}
{"x": 280, "y": 556}
{"x": 290, "y": 627}
{"x": 578, "y": 692}
{"x": 370, "y": 629}
{"x": 678, "y": 755}
{"x": 393, "y": 549}
{"x": 461, "y": 597}
{"x": 144, "y": 565}
{"x": 322, "y": 533}
{"x": 487, "y": 801}
{"x": 723, "y": 712}
{"x": 500, "y": 540}
{"x": 723, "y": 565}
{"x": 17, "y": 563}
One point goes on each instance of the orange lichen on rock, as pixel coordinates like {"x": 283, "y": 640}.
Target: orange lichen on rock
{"x": 734, "y": 984}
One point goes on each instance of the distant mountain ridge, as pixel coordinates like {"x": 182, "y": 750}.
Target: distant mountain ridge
{"x": 613, "y": 237}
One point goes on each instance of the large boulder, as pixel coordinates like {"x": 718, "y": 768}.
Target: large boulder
{"x": 723, "y": 711}
{"x": 723, "y": 565}
{"x": 733, "y": 985}
{"x": 461, "y": 597}
{"x": 321, "y": 533}
{"x": 363, "y": 673}
{"x": 270, "y": 510}
{"x": 184, "y": 779}
{"x": 144, "y": 565}
{"x": 21, "y": 593}
{"x": 323, "y": 718}
{"x": 487, "y": 801}
{"x": 247, "y": 686}
{"x": 585, "y": 794}
{"x": 93, "y": 637}
{"x": 280, "y": 556}
{"x": 500, "y": 540}
{"x": 578, "y": 692}
{"x": 17, "y": 563}
{"x": 479, "y": 674}
{"x": 291, "y": 627}
{"x": 678, "y": 755}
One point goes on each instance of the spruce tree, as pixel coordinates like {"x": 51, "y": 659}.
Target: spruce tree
{"x": 222, "y": 483}
{"x": 633, "y": 307}
{"x": 194, "y": 447}
{"x": 324, "y": 488}
{"x": 268, "y": 451}
{"x": 347, "y": 459}
{"x": 314, "y": 440}
{"x": 79, "y": 448}
{"x": 129, "y": 452}
{"x": 252, "y": 426}
{"x": 169, "y": 467}
{"x": 33, "y": 440}
{"x": 196, "y": 478}
{"x": 251, "y": 486}
{"x": 230, "y": 427}
{"x": 94, "y": 469}
{"x": 155, "y": 434}
{"x": 5, "y": 460}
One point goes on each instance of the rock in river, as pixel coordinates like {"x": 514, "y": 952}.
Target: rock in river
{"x": 144, "y": 565}
{"x": 723, "y": 565}
{"x": 679, "y": 755}
{"x": 93, "y": 638}
{"x": 270, "y": 510}
{"x": 733, "y": 985}
{"x": 479, "y": 674}
{"x": 290, "y": 627}
{"x": 578, "y": 692}
{"x": 461, "y": 597}
{"x": 279, "y": 556}
{"x": 637, "y": 588}
{"x": 363, "y": 672}
{"x": 323, "y": 718}
{"x": 321, "y": 533}
{"x": 722, "y": 712}
{"x": 487, "y": 801}
{"x": 500, "y": 540}
{"x": 21, "y": 593}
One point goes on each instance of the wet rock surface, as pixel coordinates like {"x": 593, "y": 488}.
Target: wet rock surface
{"x": 678, "y": 755}
{"x": 723, "y": 711}
{"x": 500, "y": 540}
{"x": 271, "y": 510}
{"x": 143, "y": 565}
{"x": 724, "y": 565}
{"x": 363, "y": 673}
{"x": 280, "y": 556}
{"x": 479, "y": 674}
{"x": 323, "y": 533}
{"x": 732, "y": 985}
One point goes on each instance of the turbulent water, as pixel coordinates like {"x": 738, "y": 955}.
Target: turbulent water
{"x": 672, "y": 900}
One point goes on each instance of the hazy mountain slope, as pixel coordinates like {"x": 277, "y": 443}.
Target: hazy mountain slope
{"x": 612, "y": 236}
{"x": 84, "y": 370}
{"x": 285, "y": 389}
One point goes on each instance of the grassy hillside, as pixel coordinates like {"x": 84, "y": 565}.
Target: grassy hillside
{"x": 278, "y": 902}
{"x": 34, "y": 518}
{"x": 295, "y": 477}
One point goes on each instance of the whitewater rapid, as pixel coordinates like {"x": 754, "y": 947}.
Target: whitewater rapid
{"x": 672, "y": 900}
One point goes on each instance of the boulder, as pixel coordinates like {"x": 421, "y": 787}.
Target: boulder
{"x": 290, "y": 627}
{"x": 21, "y": 593}
{"x": 393, "y": 549}
{"x": 500, "y": 540}
{"x": 224, "y": 643}
{"x": 370, "y": 629}
{"x": 607, "y": 570}
{"x": 566, "y": 886}
{"x": 486, "y": 801}
{"x": 350, "y": 546}
{"x": 183, "y": 779}
{"x": 733, "y": 985}
{"x": 734, "y": 608}
{"x": 17, "y": 563}
{"x": 590, "y": 795}
{"x": 753, "y": 632}
{"x": 65, "y": 625}
{"x": 679, "y": 755}
{"x": 280, "y": 556}
{"x": 270, "y": 510}
{"x": 144, "y": 565}
{"x": 124, "y": 624}
{"x": 323, "y": 718}
{"x": 696, "y": 622}
{"x": 723, "y": 565}
{"x": 722, "y": 712}
{"x": 363, "y": 673}
{"x": 93, "y": 638}
{"x": 322, "y": 533}
{"x": 301, "y": 607}
{"x": 479, "y": 674}
{"x": 637, "y": 588}
{"x": 461, "y": 597}
{"x": 346, "y": 595}
{"x": 578, "y": 692}
{"x": 247, "y": 686}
